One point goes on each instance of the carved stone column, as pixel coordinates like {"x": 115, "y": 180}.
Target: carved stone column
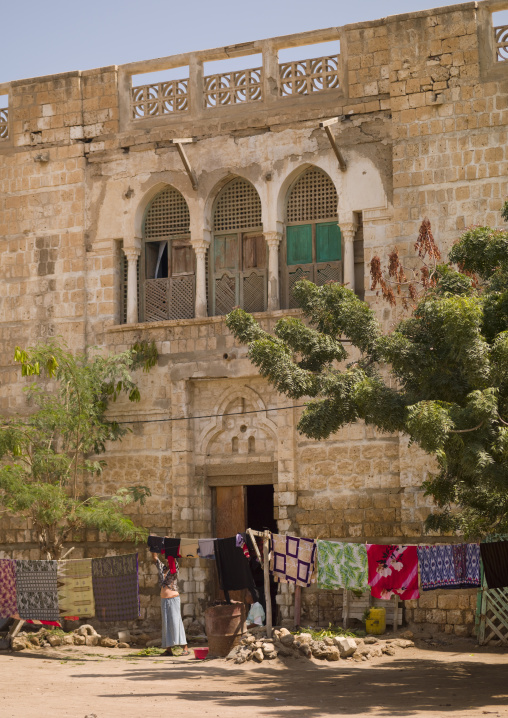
{"x": 273, "y": 241}
{"x": 200, "y": 249}
{"x": 348, "y": 231}
{"x": 132, "y": 255}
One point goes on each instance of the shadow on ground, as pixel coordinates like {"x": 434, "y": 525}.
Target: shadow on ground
{"x": 402, "y": 687}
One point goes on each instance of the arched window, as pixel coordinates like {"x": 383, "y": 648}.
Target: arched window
{"x": 167, "y": 259}
{"x": 238, "y": 266}
{"x": 313, "y": 242}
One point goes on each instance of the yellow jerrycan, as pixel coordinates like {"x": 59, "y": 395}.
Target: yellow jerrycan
{"x": 376, "y": 621}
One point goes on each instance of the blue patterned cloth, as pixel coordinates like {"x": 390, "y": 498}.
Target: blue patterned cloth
{"x": 449, "y": 566}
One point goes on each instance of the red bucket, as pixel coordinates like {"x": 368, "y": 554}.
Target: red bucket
{"x": 200, "y": 653}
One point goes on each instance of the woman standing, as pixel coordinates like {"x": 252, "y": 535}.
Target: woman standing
{"x": 173, "y": 632}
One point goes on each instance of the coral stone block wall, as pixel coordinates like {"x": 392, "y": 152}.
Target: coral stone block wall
{"x": 422, "y": 109}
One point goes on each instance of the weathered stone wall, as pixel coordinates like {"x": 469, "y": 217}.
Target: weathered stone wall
{"x": 423, "y": 127}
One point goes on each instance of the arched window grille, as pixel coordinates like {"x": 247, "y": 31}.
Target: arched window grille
{"x": 167, "y": 260}
{"x": 313, "y": 248}
{"x": 238, "y": 266}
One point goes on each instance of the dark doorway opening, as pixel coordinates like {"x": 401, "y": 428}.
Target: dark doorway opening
{"x": 260, "y": 508}
{"x": 260, "y": 517}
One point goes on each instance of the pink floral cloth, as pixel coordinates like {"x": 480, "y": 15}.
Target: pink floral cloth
{"x": 393, "y": 570}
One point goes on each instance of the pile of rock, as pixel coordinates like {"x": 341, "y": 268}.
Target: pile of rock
{"x": 256, "y": 647}
{"x": 85, "y": 635}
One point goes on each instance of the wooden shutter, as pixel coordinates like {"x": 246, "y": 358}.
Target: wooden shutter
{"x": 328, "y": 242}
{"x": 226, "y": 289}
{"x": 299, "y": 245}
{"x": 253, "y": 284}
{"x": 230, "y": 514}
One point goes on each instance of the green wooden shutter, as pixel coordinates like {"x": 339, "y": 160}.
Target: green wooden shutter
{"x": 328, "y": 242}
{"x": 299, "y": 244}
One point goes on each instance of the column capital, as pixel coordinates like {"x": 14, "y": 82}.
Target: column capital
{"x": 348, "y": 229}
{"x": 273, "y": 239}
{"x": 200, "y": 246}
{"x": 132, "y": 253}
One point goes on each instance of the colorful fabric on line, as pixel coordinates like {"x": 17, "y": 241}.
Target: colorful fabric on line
{"x": 393, "y": 570}
{"x": 37, "y": 593}
{"x": 8, "y": 602}
{"x": 240, "y": 542}
{"x": 437, "y": 567}
{"x": 116, "y": 587}
{"x": 466, "y": 559}
{"x": 495, "y": 563}
{"x": 189, "y": 548}
{"x": 293, "y": 560}
{"x": 206, "y": 548}
{"x": 75, "y": 588}
{"x": 342, "y": 565}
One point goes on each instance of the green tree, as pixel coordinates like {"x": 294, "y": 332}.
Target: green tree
{"x": 440, "y": 377}
{"x": 48, "y": 452}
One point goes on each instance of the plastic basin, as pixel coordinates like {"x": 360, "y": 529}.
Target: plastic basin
{"x": 200, "y": 653}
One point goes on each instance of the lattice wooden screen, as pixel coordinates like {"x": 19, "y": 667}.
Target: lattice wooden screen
{"x": 182, "y": 297}
{"x": 225, "y": 289}
{"x": 167, "y": 215}
{"x": 294, "y": 276}
{"x": 328, "y": 273}
{"x": 238, "y": 207}
{"x": 123, "y": 287}
{"x": 313, "y": 197}
{"x": 494, "y": 616}
{"x": 254, "y": 291}
{"x": 156, "y": 300}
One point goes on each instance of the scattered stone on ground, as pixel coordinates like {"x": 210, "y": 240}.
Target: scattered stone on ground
{"x": 255, "y": 646}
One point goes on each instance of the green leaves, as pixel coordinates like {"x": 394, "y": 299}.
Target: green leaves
{"x": 48, "y": 451}
{"x": 440, "y": 376}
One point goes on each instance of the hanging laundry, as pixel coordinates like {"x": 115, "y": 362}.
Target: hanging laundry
{"x": 437, "y": 567}
{"x": 233, "y": 568}
{"x": 241, "y": 543}
{"x": 8, "y": 602}
{"x": 342, "y": 565}
{"x": 206, "y": 548}
{"x": 189, "y": 548}
{"x": 293, "y": 560}
{"x": 155, "y": 544}
{"x": 37, "y": 593}
{"x": 495, "y": 563}
{"x": 466, "y": 560}
{"x": 393, "y": 570}
{"x": 116, "y": 587}
{"x": 171, "y": 547}
{"x": 75, "y": 588}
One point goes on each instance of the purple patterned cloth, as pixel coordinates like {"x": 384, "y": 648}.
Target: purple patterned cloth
{"x": 466, "y": 557}
{"x": 449, "y": 566}
{"x": 116, "y": 587}
{"x": 8, "y": 601}
{"x": 293, "y": 560}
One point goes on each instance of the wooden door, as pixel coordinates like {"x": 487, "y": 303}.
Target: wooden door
{"x": 230, "y": 514}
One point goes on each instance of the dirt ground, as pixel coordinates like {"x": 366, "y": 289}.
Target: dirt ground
{"x": 457, "y": 679}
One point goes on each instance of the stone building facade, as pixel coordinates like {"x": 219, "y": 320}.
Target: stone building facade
{"x": 132, "y": 212}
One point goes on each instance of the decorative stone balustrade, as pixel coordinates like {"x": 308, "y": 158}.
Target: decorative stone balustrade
{"x": 4, "y": 124}
{"x": 305, "y": 77}
{"x": 162, "y": 98}
{"x": 501, "y": 40}
{"x": 231, "y": 88}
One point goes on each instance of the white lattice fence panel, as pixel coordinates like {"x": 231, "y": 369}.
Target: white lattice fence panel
{"x": 501, "y": 40}
{"x": 329, "y": 273}
{"x": 494, "y": 616}
{"x": 156, "y": 300}
{"x": 305, "y": 77}
{"x": 232, "y": 88}
{"x": 181, "y": 297}
{"x": 238, "y": 207}
{"x": 293, "y": 277}
{"x": 162, "y": 98}
{"x": 167, "y": 216}
{"x": 254, "y": 295}
{"x": 4, "y": 124}
{"x": 312, "y": 197}
{"x": 225, "y": 294}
